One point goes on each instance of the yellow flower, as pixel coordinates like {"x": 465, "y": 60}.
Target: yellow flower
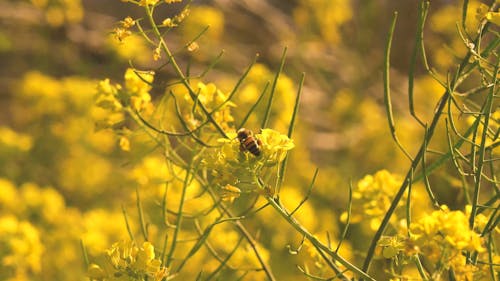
{"x": 447, "y": 230}
{"x": 211, "y": 97}
{"x": 168, "y": 22}
{"x": 124, "y": 143}
{"x": 144, "y": 256}
{"x": 274, "y": 145}
{"x": 127, "y": 23}
{"x": 391, "y": 245}
{"x": 229, "y": 193}
{"x": 193, "y": 47}
{"x": 493, "y": 17}
{"x": 106, "y": 96}
{"x": 137, "y": 86}
{"x": 121, "y": 33}
{"x": 373, "y": 195}
{"x": 128, "y": 260}
{"x": 138, "y": 82}
{"x": 21, "y": 246}
{"x": 200, "y": 17}
{"x": 147, "y": 2}
{"x": 157, "y": 54}
{"x": 15, "y": 140}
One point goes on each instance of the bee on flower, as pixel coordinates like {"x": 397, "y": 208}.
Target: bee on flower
{"x": 243, "y": 157}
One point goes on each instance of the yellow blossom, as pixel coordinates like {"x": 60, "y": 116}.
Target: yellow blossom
{"x": 106, "y": 96}
{"x": 147, "y": 2}
{"x": 127, "y": 23}
{"x": 12, "y": 139}
{"x": 193, "y": 47}
{"x": 201, "y": 16}
{"x": 124, "y": 143}
{"x": 391, "y": 245}
{"x": 169, "y": 22}
{"x": 128, "y": 260}
{"x": 121, "y": 33}
{"x": 138, "y": 82}
{"x": 493, "y": 17}
{"x": 21, "y": 246}
{"x": 274, "y": 145}
{"x": 157, "y": 54}
{"x": 212, "y": 98}
{"x": 446, "y": 230}
{"x": 373, "y": 195}
{"x": 137, "y": 86}
{"x": 229, "y": 193}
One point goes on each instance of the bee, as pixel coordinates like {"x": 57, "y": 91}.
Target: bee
{"x": 248, "y": 142}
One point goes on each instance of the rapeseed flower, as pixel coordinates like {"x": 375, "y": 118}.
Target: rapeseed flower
{"x": 231, "y": 164}
{"x": 274, "y": 145}
{"x": 126, "y": 261}
{"x": 493, "y": 17}
{"x": 372, "y": 197}
{"x": 447, "y": 228}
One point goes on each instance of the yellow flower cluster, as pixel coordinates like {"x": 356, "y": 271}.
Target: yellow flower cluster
{"x": 372, "y": 197}
{"x": 147, "y": 2}
{"x": 441, "y": 239}
{"x": 123, "y": 31}
{"x": 59, "y": 12}
{"x": 326, "y": 15}
{"x": 21, "y": 247}
{"x": 126, "y": 261}
{"x": 213, "y": 98}
{"x": 274, "y": 145}
{"x": 137, "y": 87}
{"x": 10, "y": 139}
{"x": 200, "y": 17}
{"x": 234, "y": 167}
{"x": 444, "y": 230}
{"x": 210, "y": 96}
{"x": 176, "y": 20}
{"x": 114, "y": 99}
{"x": 35, "y": 222}
{"x": 107, "y": 99}
{"x": 493, "y": 17}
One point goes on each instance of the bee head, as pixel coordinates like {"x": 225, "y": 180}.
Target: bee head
{"x": 243, "y": 133}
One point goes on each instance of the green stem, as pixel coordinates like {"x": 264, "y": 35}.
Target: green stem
{"x": 179, "y": 72}
{"x": 302, "y": 230}
{"x": 179, "y": 216}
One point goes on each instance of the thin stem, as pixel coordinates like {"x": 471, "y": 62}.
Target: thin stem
{"x": 302, "y": 230}
{"x": 141, "y": 215}
{"x": 437, "y": 115}
{"x": 387, "y": 89}
{"x": 482, "y": 148}
{"x": 178, "y": 71}
{"x": 179, "y": 215}
{"x": 273, "y": 89}
{"x": 281, "y": 171}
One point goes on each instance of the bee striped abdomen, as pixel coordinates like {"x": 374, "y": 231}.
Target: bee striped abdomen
{"x": 248, "y": 142}
{"x": 252, "y": 146}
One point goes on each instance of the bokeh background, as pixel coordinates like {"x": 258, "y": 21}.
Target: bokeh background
{"x": 63, "y": 181}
